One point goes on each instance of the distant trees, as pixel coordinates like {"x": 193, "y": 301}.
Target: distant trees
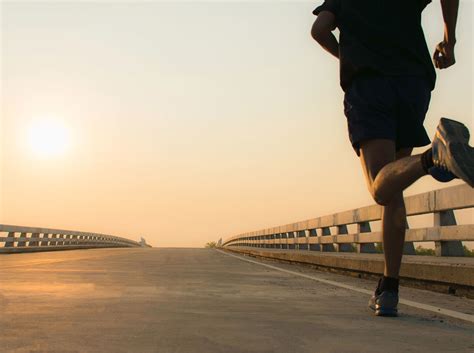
{"x": 468, "y": 252}
{"x": 211, "y": 244}
{"x": 426, "y": 252}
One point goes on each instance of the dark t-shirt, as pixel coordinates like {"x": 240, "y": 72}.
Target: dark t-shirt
{"x": 381, "y": 37}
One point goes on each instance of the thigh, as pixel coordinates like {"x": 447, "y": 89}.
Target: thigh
{"x": 374, "y": 155}
{"x": 403, "y": 152}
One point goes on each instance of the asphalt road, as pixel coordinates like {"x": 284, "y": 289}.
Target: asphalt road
{"x": 198, "y": 300}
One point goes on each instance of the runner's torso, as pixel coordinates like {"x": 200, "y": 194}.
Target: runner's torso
{"x": 381, "y": 37}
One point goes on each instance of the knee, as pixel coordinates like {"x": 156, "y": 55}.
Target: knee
{"x": 382, "y": 198}
{"x": 378, "y": 194}
{"x": 385, "y": 196}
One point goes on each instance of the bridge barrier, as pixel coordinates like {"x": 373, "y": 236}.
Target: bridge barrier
{"x": 330, "y": 233}
{"x": 15, "y": 239}
{"x": 328, "y": 242}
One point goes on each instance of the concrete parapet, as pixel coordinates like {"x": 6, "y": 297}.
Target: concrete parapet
{"x": 42, "y": 239}
{"x": 316, "y": 234}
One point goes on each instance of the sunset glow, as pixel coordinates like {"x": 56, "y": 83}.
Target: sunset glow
{"x": 184, "y": 122}
{"x": 48, "y": 138}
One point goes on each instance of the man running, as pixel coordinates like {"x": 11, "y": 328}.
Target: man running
{"x": 387, "y": 74}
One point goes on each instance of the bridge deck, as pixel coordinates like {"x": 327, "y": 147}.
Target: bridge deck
{"x": 196, "y": 300}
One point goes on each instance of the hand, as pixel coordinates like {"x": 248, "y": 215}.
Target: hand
{"x": 443, "y": 56}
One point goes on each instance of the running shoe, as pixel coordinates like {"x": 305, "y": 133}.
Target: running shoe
{"x": 385, "y": 303}
{"x": 441, "y": 175}
{"x": 452, "y": 155}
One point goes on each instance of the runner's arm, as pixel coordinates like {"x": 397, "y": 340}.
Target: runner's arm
{"x": 444, "y": 54}
{"x": 322, "y": 32}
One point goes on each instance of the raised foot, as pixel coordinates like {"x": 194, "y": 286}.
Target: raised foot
{"x": 452, "y": 155}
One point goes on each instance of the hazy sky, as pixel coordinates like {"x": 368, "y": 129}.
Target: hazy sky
{"x": 184, "y": 122}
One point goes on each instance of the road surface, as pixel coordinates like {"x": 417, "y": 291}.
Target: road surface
{"x": 199, "y": 300}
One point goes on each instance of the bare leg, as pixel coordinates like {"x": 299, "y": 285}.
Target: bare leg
{"x": 393, "y": 235}
{"x": 387, "y": 175}
{"x": 394, "y": 220}
{"x": 396, "y": 177}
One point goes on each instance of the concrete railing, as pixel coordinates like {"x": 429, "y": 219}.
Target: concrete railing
{"x": 331, "y": 233}
{"x": 27, "y": 239}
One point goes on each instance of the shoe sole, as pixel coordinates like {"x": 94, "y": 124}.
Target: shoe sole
{"x": 382, "y": 311}
{"x": 386, "y": 313}
{"x": 455, "y": 136}
{"x": 378, "y": 311}
{"x": 455, "y": 130}
{"x": 462, "y": 161}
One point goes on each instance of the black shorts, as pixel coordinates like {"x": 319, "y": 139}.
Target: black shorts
{"x": 387, "y": 107}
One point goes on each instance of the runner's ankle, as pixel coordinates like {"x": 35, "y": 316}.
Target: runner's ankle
{"x": 427, "y": 160}
{"x": 389, "y": 284}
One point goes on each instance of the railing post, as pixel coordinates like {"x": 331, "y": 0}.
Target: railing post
{"x": 33, "y": 241}
{"x": 364, "y": 227}
{"x": 291, "y": 235}
{"x": 327, "y": 247}
{"x": 286, "y": 237}
{"x": 22, "y": 242}
{"x": 314, "y": 247}
{"x": 341, "y": 230}
{"x": 447, "y": 248}
{"x": 44, "y": 240}
{"x": 302, "y": 234}
{"x": 11, "y": 243}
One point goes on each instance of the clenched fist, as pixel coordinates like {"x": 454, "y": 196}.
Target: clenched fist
{"x": 443, "y": 56}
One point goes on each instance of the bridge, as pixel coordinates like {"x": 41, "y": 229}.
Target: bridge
{"x": 293, "y": 288}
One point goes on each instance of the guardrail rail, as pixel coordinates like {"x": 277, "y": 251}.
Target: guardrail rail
{"x": 28, "y": 239}
{"x": 330, "y": 233}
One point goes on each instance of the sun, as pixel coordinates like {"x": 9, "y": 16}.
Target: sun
{"x": 48, "y": 138}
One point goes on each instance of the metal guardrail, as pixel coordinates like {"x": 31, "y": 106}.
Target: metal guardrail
{"x": 330, "y": 233}
{"x": 28, "y": 239}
